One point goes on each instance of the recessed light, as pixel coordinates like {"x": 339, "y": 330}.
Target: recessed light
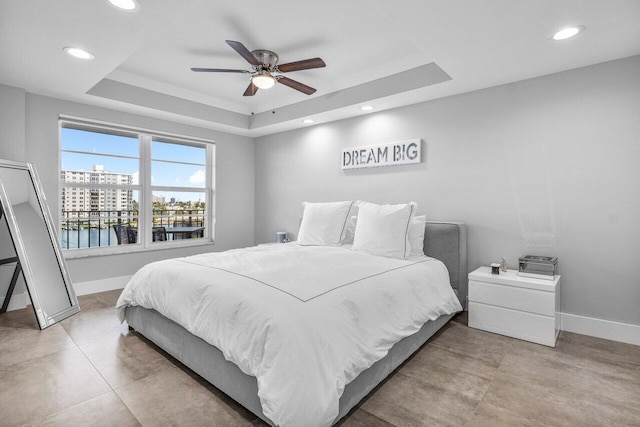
{"x": 366, "y": 108}
{"x": 568, "y": 32}
{"x": 307, "y": 121}
{"x": 128, "y": 5}
{"x": 79, "y": 53}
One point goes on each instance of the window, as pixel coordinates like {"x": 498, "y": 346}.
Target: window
{"x": 124, "y": 189}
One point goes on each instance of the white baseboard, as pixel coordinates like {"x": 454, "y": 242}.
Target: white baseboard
{"x": 102, "y": 285}
{"x": 17, "y": 302}
{"x": 607, "y": 329}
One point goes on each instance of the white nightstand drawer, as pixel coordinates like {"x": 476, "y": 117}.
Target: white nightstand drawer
{"x": 518, "y": 324}
{"x": 529, "y": 300}
{"x": 519, "y": 307}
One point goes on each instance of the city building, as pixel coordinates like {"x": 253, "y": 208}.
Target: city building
{"x": 82, "y": 199}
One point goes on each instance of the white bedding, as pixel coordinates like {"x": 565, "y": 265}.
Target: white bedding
{"x": 305, "y": 321}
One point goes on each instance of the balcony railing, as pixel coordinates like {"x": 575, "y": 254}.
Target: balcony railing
{"x": 94, "y": 228}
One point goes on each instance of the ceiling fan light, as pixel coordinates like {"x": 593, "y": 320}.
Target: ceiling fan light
{"x": 264, "y": 80}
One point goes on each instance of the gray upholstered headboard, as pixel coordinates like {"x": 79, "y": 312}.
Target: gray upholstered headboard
{"x": 447, "y": 241}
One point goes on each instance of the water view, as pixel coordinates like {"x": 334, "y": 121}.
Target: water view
{"x": 88, "y": 237}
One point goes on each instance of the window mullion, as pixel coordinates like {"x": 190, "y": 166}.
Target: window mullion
{"x": 209, "y": 199}
{"x": 145, "y": 198}
{"x": 100, "y": 186}
{"x": 178, "y": 189}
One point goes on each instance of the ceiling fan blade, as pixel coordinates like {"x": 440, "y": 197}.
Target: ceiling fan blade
{"x": 251, "y": 90}
{"x": 307, "y": 64}
{"x": 296, "y": 85}
{"x": 219, "y": 70}
{"x": 244, "y": 52}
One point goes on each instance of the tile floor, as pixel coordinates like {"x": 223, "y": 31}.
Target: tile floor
{"x": 90, "y": 370}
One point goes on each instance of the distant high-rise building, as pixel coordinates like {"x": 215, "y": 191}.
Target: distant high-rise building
{"x": 158, "y": 199}
{"x": 76, "y": 199}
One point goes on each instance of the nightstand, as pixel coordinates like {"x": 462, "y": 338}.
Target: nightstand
{"x": 518, "y": 307}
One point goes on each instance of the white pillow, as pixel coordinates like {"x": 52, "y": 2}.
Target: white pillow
{"x": 323, "y": 224}
{"x": 350, "y": 230}
{"x": 384, "y": 229}
{"x": 416, "y": 234}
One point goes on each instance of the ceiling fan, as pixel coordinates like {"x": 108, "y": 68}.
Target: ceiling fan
{"x": 265, "y": 64}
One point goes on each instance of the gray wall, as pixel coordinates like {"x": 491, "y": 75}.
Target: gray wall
{"x": 12, "y": 112}
{"x": 545, "y": 166}
{"x": 235, "y": 156}
{"x": 12, "y": 147}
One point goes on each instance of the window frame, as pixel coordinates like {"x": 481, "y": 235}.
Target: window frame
{"x": 144, "y": 187}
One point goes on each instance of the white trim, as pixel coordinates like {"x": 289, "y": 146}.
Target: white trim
{"x": 99, "y": 186}
{"x": 95, "y": 153}
{"x": 20, "y": 301}
{"x": 145, "y": 204}
{"x": 607, "y": 329}
{"x": 599, "y": 328}
{"x": 134, "y": 248}
{"x": 17, "y": 302}
{"x": 101, "y": 285}
{"x": 100, "y": 124}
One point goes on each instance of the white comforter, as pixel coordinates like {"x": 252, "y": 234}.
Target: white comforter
{"x": 304, "y": 321}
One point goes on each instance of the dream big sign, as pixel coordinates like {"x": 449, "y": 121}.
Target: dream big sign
{"x": 389, "y": 154}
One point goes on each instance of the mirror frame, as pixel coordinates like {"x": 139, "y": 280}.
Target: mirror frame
{"x": 44, "y": 319}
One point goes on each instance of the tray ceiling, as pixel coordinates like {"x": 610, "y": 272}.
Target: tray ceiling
{"x": 376, "y": 53}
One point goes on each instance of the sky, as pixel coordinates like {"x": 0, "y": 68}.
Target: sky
{"x": 163, "y": 173}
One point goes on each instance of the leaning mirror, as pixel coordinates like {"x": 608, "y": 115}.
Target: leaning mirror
{"x": 30, "y": 247}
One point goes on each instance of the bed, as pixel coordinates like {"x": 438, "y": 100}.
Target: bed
{"x": 176, "y": 330}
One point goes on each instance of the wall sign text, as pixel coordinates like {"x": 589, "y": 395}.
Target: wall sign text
{"x": 389, "y": 154}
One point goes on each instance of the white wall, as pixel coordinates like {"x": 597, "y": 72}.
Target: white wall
{"x": 235, "y": 179}
{"x": 545, "y": 166}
